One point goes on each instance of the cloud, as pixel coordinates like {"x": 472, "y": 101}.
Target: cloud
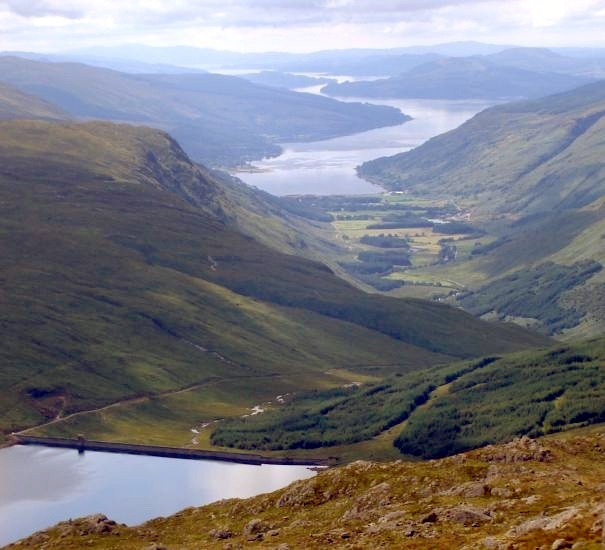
{"x": 44, "y": 8}
{"x": 297, "y": 25}
{"x": 249, "y": 13}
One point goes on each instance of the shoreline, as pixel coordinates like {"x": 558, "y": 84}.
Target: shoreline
{"x": 82, "y": 445}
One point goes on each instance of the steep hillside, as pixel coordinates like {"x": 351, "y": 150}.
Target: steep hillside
{"x": 439, "y": 411}
{"x": 123, "y": 276}
{"x": 531, "y": 174}
{"x": 218, "y": 119}
{"x": 516, "y": 158}
{"x": 461, "y": 78}
{"x": 543, "y": 494}
{"x": 15, "y": 104}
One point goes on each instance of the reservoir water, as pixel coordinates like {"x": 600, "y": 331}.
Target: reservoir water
{"x": 328, "y": 167}
{"x": 41, "y": 486}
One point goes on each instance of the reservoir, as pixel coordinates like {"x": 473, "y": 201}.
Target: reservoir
{"x": 40, "y": 486}
{"x": 328, "y": 167}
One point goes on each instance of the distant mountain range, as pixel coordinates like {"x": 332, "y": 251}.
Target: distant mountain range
{"x": 218, "y": 119}
{"x": 461, "y": 78}
{"x": 278, "y": 79}
{"x": 359, "y": 61}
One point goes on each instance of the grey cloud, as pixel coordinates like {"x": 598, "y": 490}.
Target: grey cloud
{"x": 238, "y": 12}
{"x": 258, "y": 13}
{"x": 41, "y": 8}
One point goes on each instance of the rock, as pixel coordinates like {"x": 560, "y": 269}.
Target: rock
{"x": 372, "y": 529}
{"x": 522, "y": 449}
{"x": 471, "y": 490}
{"x": 283, "y": 546}
{"x": 559, "y": 544}
{"x": 221, "y": 533}
{"x": 477, "y": 490}
{"x": 95, "y": 524}
{"x": 545, "y": 523}
{"x": 273, "y": 533}
{"x": 467, "y": 515}
{"x": 368, "y": 502}
{"x": 501, "y": 492}
{"x": 392, "y": 516}
{"x": 430, "y": 518}
{"x": 255, "y": 527}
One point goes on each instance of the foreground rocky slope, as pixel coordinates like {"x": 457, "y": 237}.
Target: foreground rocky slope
{"x": 525, "y": 494}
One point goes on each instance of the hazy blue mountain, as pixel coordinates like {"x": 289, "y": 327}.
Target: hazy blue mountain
{"x": 117, "y": 64}
{"x": 319, "y": 61}
{"x": 457, "y": 49}
{"x": 543, "y": 60}
{"x": 218, "y": 119}
{"x": 461, "y": 78}
{"x": 375, "y": 64}
{"x": 278, "y": 79}
{"x": 15, "y": 104}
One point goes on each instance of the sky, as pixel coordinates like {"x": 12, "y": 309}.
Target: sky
{"x": 297, "y": 25}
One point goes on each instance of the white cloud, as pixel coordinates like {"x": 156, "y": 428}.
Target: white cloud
{"x": 297, "y": 25}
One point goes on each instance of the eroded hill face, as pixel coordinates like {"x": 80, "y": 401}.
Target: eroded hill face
{"x": 545, "y": 494}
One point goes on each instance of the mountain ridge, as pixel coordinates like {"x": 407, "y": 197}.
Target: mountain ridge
{"x": 215, "y": 117}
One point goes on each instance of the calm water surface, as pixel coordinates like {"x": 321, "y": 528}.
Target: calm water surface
{"x": 40, "y": 486}
{"x": 328, "y": 167}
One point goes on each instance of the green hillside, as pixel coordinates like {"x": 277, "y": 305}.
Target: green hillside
{"x": 124, "y": 277}
{"x": 218, "y": 119}
{"x": 531, "y": 175}
{"x": 443, "y": 410}
{"x": 15, "y": 104}
{"x": 516, "y": 158}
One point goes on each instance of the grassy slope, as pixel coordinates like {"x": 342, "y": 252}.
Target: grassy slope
{"x": 218, "y": 119}
{"x": 443, "y": 410}
{"x": 539, "y": 161}
{"x": 118, "y": 260}
{"x": 548, "y": 156}
{"x": 500, "y": 496}
{"x": 15, "y": 104}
